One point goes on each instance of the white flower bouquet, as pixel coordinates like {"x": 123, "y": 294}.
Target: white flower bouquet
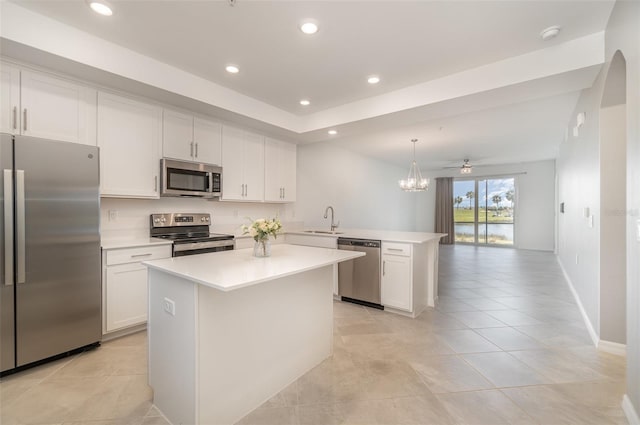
{"x": 262, "y": 228}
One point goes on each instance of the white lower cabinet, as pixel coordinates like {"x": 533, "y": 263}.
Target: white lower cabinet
{"x": 397, "y": 280}
{"x": 124, "y": 285}
{"x": 126, "y": 296}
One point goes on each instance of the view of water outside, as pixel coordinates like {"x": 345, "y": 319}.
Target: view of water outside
{"x": 495, "y": 201}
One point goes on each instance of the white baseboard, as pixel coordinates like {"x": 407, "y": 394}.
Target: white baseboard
{"x": 629, "y": 411}
{"x": 592, "y": 332}
{"x": 612, "y": 348}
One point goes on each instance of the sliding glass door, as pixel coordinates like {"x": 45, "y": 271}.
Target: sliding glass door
{"x": 484, "y": 211}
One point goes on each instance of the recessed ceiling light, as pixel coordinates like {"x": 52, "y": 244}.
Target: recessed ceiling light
{"x": 232, "y": 69}
{"x": 305, "y": 102}
{"x": 549, "y": 33}
{"x": 309, "y": 27}
{"x": 332, "y": 132}
{"x": 374, "y": 79}
{"x": 101, "y": 7}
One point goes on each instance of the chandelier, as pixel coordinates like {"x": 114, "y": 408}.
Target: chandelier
{"x": 414, "y": 182}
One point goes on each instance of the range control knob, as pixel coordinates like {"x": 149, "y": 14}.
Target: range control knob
{"x": 156, "y": 220}
{"x": 206, "y": 219}
{"x": 163, "y": 219}
{"x": 202, "y": 219}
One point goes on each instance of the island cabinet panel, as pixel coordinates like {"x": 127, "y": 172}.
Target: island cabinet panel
{"x": 129, "y": 137}
{"x": 280, "y": 171}
{"x": 39, "y": 105}
{"x": 214, "y": 356}
{"x": 242, "y": 165}
{"x": 190, "y": 138}
{"x": 397, "y": 279}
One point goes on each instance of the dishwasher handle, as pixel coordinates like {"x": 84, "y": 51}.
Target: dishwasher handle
{"x": 359, "y": 242}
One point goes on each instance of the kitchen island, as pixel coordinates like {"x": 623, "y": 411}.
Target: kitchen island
{"x": 227, "y": 331}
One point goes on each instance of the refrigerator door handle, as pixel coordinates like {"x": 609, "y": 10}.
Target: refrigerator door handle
{"x": 20, "y": 226}
{"x": 8, "y": 227}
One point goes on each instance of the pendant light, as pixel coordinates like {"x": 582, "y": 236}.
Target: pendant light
{"x": 414, "y": 182}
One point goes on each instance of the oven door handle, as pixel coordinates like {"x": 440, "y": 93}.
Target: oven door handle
{"x": 178, "y": 247}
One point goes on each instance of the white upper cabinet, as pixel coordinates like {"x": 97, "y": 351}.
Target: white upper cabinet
{"x": 191, "y": 138}
{"x": 9, "y": 99}
{"x": 38, "y": 105}
{"x": 177, "y": 135}
{"x": 280, "y": 171}
{"x": 129, "y": 137}
{"x": 207, "y": 138}
{"x": 242, "y": 165}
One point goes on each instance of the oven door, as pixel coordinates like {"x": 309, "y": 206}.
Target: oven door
{"x": 180, "y": 249}
{"x": 190, "y": 179}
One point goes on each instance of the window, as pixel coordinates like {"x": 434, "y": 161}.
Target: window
{"x": 484, "y": 210}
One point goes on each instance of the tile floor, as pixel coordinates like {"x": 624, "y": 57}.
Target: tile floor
{"x": 505, "y": 345}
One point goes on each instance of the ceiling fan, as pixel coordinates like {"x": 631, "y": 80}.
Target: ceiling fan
{"x": 466, "y": 167}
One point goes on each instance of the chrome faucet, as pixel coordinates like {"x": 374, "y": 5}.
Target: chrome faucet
{"x": 334, "y": 226}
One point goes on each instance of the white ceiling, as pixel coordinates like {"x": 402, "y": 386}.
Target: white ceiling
{"x": 406, "y": 43}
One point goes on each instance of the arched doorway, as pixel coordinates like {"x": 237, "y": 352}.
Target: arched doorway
{"x": 613, "y": 145}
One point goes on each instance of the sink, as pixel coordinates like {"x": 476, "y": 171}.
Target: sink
{"x": 324, "y": 232}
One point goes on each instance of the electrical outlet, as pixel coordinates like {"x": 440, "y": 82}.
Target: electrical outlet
{"x": 577, "y": 258}
{"x": 113, "y": 215}
{"x": 169, "y": 306}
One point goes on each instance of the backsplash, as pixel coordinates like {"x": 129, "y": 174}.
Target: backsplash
{"x": 124, "y": 218}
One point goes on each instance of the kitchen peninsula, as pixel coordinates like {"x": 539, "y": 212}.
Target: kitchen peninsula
{"x": 227, "y": 331}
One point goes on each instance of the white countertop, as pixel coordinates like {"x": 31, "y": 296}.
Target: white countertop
{"x": 231, "y": 270}
{"x": 382, "y": 235}
{"x": 115, "y": 243}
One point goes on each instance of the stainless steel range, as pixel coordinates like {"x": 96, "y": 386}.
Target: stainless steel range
{"x": 189, "y": 233}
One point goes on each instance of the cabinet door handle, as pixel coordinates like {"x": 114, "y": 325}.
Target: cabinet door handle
{"x": 141, "y": 255}
{"x": 155, "y": 183}
{"x": 196, "y": 150}
{"x": 395, "y": 249}
{"x": 283, "y": 193}
{"x": 191, "y": 149}
{"x": 242, "y": 190}
{"x": 384, "y": 267}
{"x": 15, "y": 117}
{"x": 24, "y": 119}
{"x": 246, "y": 190}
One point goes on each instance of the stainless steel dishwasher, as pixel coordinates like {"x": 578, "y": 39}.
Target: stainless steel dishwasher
{"x": 359, "y": 279}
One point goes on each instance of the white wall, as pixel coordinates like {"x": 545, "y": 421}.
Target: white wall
{"x": 133, "y": 214}
{"x": 578, "y": 167}
{"x": 535, "y": 203}
{"x": 613, "y": 148}
{"x": 364, "y": 192}
{"x": 578, "y": 181}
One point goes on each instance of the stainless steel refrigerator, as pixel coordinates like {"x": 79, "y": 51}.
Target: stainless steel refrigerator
{"x": 50, "y": 290}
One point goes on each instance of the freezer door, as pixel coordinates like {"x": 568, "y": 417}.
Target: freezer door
{"x": 58, "y": 293}
{"x": 7, "y": 324}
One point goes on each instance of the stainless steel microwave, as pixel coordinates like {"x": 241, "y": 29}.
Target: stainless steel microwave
{"x": 183, "y": 178}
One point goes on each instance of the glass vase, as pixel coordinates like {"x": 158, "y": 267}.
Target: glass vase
{"x": 262, "y": 248}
